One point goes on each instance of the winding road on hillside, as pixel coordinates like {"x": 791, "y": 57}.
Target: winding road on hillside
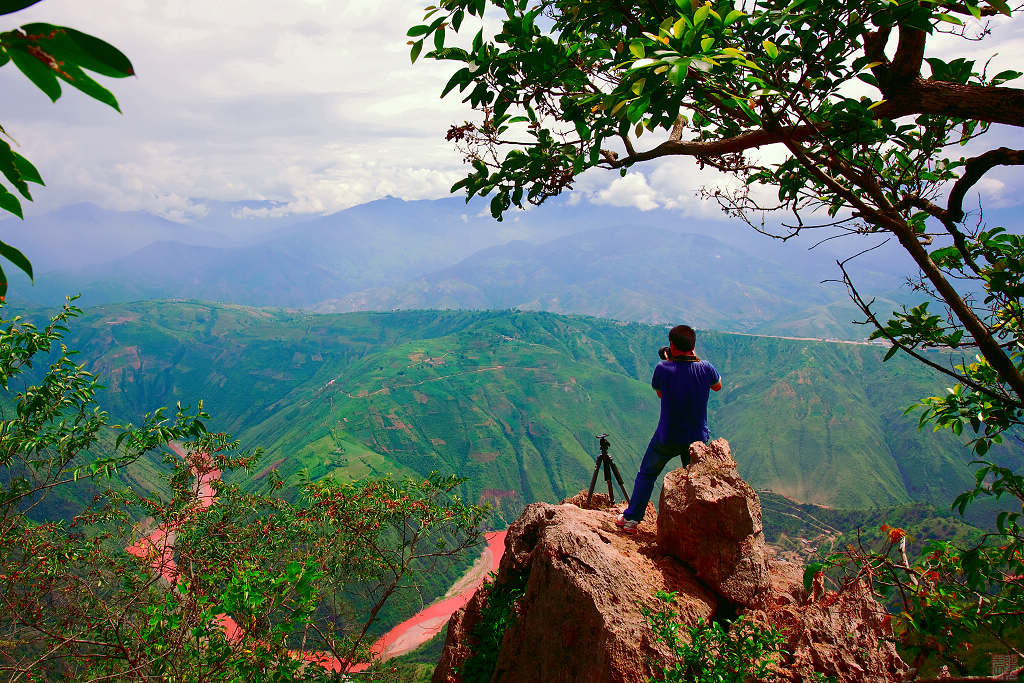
{"x": 157, "y": 550}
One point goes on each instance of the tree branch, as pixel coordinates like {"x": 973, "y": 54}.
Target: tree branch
{"x": 865, "y": 308}
{"x": 988, "y": 103}
{"x": 737, "y": 143}
{"x": 906, "y": 63}
{"x": 974, "y": 169}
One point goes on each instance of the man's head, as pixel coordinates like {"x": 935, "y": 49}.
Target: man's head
{"x": 682, "y": 338}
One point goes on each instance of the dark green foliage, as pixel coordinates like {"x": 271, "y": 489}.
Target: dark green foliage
{"x": 497, "y": 615}
{"x": 715, "y": 652}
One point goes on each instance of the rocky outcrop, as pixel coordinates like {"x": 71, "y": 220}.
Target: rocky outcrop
{"x": 711, "y": 520}
{"x": 581, "y": 587}
{"x": 839, "y": 634}
{"x": 579, "y": 618}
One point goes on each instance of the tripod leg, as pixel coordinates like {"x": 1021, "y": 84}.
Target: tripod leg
{"x": 593, "y": 482}
{"x": 618, "y": 478}
{"x": 608, "y": 480}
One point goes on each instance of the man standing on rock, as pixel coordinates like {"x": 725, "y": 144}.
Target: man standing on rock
{"x": 683, "y": 382}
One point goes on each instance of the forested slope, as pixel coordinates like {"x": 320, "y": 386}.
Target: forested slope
{"x": 512, "y": 400}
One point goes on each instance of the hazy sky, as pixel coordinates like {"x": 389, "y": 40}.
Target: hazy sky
{"x": 311, "y": 102}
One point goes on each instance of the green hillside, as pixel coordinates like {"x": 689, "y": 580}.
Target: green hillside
{"x": 512, "y": 400}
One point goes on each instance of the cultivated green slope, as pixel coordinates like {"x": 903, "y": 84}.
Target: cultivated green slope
{"x": 512, "y": 400}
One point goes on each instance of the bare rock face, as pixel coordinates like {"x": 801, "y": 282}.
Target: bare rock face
{"x": 710, "y": 519}
{"x": 580, "y": 616}
{"x": 841, "y": 634}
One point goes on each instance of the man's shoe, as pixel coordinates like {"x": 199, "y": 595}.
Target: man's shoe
{"x": 627, "y": 525}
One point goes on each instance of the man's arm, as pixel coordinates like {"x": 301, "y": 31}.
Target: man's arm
{"x": 717, "y": 386}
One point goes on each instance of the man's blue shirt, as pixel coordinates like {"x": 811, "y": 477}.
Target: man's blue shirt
{"x": 684, "y": 387}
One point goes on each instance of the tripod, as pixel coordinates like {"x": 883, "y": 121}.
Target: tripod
{"x": 609, "y": 469}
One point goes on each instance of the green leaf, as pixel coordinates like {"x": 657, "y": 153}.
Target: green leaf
{"x": 1001, "y": 6}
{"x": 733, "y": 16}
{"x": 891, "y": 352}
{"x": 679, "y": 27}
{"x": 9, "y": 168}
{"x": 17, "y": 258}
{"x": 637, "y": 48}
{"x": 80, "y": 49}
{"x": 8, "y": 6}
{"x": 677, "y": 74}
{"x": 80, "y": 80}
{"x": 947, "y": 256}
{"x": 10, "y": 203}
{"x": 810, "y": 571}
{"x": 770, "y": 49}
{"x": 458, "y": 78}
{"x": 41, "y": 75}
{"x": 417, "y": 47}
{"x": 418, "y": 31}
{"x": 701, "y": 15}
{"x": 1004, "y": 76}
{"x": 27, "y": 170}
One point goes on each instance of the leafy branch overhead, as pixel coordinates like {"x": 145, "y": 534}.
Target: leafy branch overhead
{"x": 838, "y": 115}
{"x": 48, "y": 54}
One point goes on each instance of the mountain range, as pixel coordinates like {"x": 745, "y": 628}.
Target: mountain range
{"x": 392, "y": 254}
{"x": 512, "y": 400}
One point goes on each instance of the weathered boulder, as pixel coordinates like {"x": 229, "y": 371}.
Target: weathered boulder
{"x": 580, "y": 617}
{"x": 581, "y": 585}
{"x": 710, "y": 519}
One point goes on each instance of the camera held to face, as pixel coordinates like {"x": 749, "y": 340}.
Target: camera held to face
{"x": 664, "y": 353}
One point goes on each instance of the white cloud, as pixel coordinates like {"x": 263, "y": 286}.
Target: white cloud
{"x": 314, "y": 104}
{"x": 629, "y": 190}
{"x": 311, "y": 103}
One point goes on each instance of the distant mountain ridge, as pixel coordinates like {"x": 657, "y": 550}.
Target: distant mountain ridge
{"x": 621, "y": 272}
{"x": 394, "y": 254}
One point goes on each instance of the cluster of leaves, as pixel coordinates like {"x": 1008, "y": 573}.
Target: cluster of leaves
{"x": 949, "y": 597}
{"x": 566, "y": 86}
{"x": 48, "y": 54}
{"x": 201, "y": 580}
{"x": 982, "y": 400}
{"x": 714, "y": 652}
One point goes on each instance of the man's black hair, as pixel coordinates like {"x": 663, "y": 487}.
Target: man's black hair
{"x": 683, "y": 337}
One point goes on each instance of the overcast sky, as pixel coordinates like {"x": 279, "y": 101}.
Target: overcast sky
{"x": 312, "y": 102}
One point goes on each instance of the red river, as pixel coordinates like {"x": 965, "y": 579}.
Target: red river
{"x": 157, "y": 548}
